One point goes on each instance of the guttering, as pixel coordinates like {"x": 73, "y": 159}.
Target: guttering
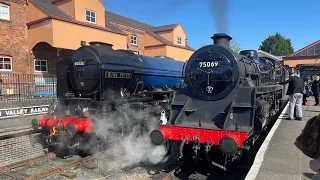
{"x": 74, "y": 22}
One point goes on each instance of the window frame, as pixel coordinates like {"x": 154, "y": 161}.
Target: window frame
{"x": 7, "y": 70}
{"x": 132, "y": 35}
{"x": 180, "y": 40}
{"x": 1, "y": 4}
{"x": 95, "y": 16}
{"x": 317, "y": 51}
{"x": 34, "y": 65}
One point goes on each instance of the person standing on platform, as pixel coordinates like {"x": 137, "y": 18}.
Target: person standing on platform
{"x": 314, "y": 164}
{"x": 306, "y": 93}
{"x": 295, "y": 92}
{"x": 315, "y": 88}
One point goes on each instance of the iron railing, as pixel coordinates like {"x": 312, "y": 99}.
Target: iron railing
{"x": 26, "y": 89}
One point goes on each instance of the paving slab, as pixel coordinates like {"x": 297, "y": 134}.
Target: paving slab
{"x": 18, "y": 122}
{"x": 278, "y": 157}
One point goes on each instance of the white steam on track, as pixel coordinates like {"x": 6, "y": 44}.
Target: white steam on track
{"x": 136, "y": 147}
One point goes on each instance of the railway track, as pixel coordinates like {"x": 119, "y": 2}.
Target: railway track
{"x": 61, "y": 169}
{"x": 203, "y": 170}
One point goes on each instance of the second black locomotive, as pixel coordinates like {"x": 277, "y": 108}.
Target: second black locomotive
{"x": 229, "y": 100}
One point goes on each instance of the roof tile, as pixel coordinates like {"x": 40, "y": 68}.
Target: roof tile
{"x": 53, "y": 10}
{"x": 164, "y": 28}
{"x": 143, "y": 26}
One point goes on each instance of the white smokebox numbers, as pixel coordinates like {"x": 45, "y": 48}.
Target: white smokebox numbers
{"x": 209, "y": 64}
{"x": 209, "y": 89}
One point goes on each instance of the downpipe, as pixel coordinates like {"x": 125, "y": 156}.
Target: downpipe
{"x": 182, "y": 146}
{"x": 207, "y": 149}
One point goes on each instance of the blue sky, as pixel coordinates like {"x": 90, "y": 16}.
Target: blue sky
{"x": 249, "y": 21}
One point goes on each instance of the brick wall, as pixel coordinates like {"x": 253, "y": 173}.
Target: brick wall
{"x": 132, "y": 31}
{"x": 14, "y": 36}
{"x": 44, "y": 51}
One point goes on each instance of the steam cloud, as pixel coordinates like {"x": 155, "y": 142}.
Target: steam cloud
{"x": 133, "y": 148}
{"x": 220, "y": 10}
{"x": 137, "y": 147}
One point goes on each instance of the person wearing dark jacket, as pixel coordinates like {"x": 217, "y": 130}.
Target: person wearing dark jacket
{"x": 295, "y": 92}
{"x": 315, "y": 88}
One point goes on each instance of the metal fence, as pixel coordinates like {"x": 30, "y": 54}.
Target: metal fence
{"x": 26, "y": 89}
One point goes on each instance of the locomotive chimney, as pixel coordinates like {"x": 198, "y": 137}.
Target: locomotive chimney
{"x": 221, "y": 39}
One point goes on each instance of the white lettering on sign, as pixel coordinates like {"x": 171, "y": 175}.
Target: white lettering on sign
{"x": 79, "y": 63}
{"x": 209, "y": 64}
{"x": 39, "y": 110}
{"x": 118, "y": 75}
{"x": 13, "y": 112}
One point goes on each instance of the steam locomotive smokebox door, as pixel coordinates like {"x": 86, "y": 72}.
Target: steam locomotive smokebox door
{"x": 63, "y": 84}
{"x": 86, "y": 75}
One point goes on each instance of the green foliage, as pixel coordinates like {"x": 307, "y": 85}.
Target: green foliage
{"x": 234, "y": 45}
{"x": 277, "y": 45}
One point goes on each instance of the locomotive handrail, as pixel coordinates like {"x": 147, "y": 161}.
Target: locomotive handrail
{"x": 184, "y": 64}
{"x": 137, "y": 86}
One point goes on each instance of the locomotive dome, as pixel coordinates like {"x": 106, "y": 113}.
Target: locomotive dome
{"x": 212, "y": 71}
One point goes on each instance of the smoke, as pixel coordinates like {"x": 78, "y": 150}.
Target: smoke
{"x": 134, "y": 147}
{"x": 220, "y": 10}
{"x": 126, "y": 127}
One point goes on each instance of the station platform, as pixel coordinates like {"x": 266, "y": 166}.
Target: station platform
{"x": 278, "y": 158}
{"x": 17, "y": 122}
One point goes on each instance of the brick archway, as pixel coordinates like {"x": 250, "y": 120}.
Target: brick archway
{"x": 43, "y": 53}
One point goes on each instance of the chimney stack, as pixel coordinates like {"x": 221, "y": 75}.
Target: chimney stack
{"x": 221, "y": 39}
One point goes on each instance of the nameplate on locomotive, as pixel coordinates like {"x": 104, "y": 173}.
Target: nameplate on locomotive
{"x": 121, "y": 75}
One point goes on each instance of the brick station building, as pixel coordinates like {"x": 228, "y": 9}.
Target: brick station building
{"x": 35, "y": 34}
{"x": 308, "y": 55}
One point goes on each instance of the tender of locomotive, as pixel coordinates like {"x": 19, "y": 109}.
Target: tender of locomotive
{"x": 229, "y": 100}
{"x": 98, "y": 80}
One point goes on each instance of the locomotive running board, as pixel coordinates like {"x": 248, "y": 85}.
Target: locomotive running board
{"x": 242, "y": 111}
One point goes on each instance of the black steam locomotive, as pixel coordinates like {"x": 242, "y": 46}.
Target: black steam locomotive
{"x": 229, "y": 100}
{"x": 99, "y": 84}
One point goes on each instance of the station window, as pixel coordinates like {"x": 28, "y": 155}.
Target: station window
{"x": 40, "y": 65}
{"x": 179, "y": 40}
{"x": 90, "y": 16}
{"x": 317, "y": 49}
{"x": 5, "y": 63}
{"x": 134, "y": 40}
{"x": 4, "y": 12}
{"x": 310, "y": 51}
{"x": 304, "y": 53}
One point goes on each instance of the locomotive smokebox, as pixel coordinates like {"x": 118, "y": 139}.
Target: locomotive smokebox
{"x": 221, "y": 39}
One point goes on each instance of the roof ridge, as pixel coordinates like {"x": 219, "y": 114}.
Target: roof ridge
{"x": 167, "y": 25}
{"x": 128, "y": 18}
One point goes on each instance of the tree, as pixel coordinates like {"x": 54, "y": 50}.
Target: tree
{"x": 277, "y": 45}
{"x": 234, "y": 45}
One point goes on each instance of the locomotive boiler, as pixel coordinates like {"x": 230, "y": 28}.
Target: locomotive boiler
{"x": 229, "y": 100}
{"x": 98, "y": 80}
